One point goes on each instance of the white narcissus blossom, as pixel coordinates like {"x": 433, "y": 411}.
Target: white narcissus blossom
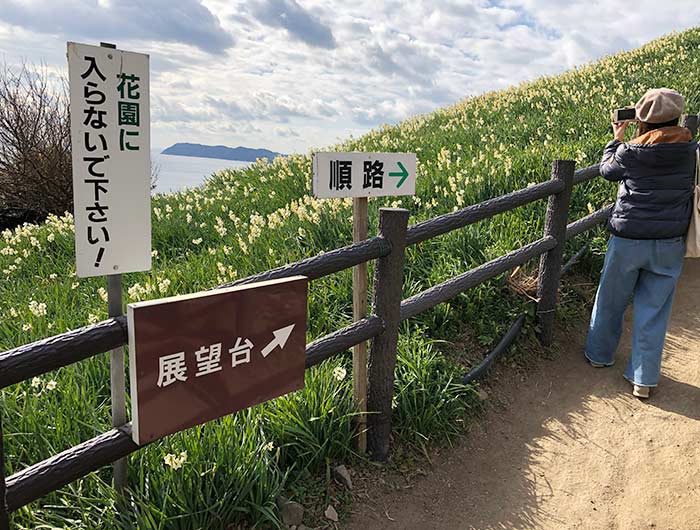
{"x": 243, "y": 246}
{"x": 175, "y": 461}
{"x": 135, "y": 291}
{"x": 103, "y": 293}
{"x": 163, "y": 285}
{"x": 38, "y": 309}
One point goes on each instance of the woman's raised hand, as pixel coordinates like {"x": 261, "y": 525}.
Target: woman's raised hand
{"x": 619, "y": 128}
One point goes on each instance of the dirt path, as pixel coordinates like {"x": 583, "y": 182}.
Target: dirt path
{"x": 573, "y": 449}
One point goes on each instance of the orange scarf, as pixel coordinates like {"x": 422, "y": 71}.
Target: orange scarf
{"x": 665, "y": 135}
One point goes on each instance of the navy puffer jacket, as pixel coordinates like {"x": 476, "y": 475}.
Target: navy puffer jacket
{"x": 656, "y": 172}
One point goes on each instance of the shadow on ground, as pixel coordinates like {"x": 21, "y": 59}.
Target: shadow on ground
{"x": 569, "y": 447}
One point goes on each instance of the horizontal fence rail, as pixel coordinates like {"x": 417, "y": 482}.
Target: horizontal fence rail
{"x": 37, "y": 358}
{"x": 70, "y": 465}
{"x": 53, "y": 473}
{"x": 343, "y": 339}
{"x": 449, "y": 289}
{"x": 586, "y": 173}
{"x": 323, "y": 264}
{"x": 590, "y": 221}
{"x": 449, "y": 222}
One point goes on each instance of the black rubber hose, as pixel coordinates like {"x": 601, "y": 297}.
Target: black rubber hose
{"x": 574, "y": 259}
{"x": 499, "y": 350}
{"x": 513, "y": 332}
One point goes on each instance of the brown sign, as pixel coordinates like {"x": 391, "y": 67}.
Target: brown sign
{"x": 198, "y": 357}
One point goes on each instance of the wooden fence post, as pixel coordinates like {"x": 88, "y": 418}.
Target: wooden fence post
{"x": 388, "y": 283}
{"x": 4, "y": 516}
{"x": 550, "y": 263}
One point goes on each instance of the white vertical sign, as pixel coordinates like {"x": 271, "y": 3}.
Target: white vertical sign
{"x": 111, "y": 141}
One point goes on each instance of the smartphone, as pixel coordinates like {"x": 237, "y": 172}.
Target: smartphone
{"x": 626, "y": 114}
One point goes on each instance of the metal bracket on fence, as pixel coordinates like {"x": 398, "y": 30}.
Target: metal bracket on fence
{"x": 388, "y": 284}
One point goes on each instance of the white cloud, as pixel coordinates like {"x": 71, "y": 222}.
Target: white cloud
{"x": 291, "y": 74}
{"x": 184, "y": 21}
{"x": 299, "y": 23}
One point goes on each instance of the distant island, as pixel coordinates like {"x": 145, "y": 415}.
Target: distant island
{"x": 243, "y": 154}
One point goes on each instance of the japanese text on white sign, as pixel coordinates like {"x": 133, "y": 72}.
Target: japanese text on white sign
{"x": 364, "y": 174}
{"x": 110, "y": 137}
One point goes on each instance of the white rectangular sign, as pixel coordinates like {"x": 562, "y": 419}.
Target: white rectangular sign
{"x": 364, "y": 174}
{"x": 111, "y": 142}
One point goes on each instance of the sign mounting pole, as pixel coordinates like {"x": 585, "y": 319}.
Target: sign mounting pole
{"x": 117, "y": 377}
{"x": 109, "y": 96}
{"x": 360, "y": 175}
{"x": 359, "y": 302}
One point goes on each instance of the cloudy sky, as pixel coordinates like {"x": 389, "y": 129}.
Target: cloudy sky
{"x": 290, "y": 75}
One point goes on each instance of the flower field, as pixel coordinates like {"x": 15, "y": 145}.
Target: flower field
{"x": 242, "y": 222}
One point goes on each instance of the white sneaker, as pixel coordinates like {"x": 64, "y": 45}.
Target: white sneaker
{"x": 640, "y": 391}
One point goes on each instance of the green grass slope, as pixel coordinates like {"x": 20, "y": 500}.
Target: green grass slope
{"x": 242, "y": 222}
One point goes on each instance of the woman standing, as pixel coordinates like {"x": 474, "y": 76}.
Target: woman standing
{"x": 648, "y": 223}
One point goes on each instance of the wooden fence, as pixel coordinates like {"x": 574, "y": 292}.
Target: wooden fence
{"x": 382, "y": 325}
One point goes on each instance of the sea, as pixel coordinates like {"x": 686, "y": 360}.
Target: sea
{"x": 176, "y": 173}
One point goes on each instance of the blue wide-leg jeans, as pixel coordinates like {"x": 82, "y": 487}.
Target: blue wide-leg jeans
{"x": 646, "y": 269}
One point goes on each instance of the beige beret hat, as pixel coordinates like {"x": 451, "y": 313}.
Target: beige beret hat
{"x": 660, "y": 105}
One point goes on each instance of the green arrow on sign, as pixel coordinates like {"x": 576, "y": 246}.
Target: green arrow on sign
{"x": 403, "y": 174}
